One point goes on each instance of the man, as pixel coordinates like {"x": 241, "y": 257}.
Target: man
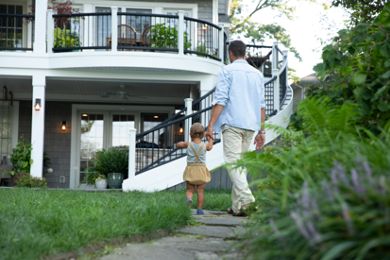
{"x": 239, "y": 111}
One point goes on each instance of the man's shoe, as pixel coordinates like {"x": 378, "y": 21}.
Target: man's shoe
{"x": 241, "y": 213}
{"x": 230, "y": 211}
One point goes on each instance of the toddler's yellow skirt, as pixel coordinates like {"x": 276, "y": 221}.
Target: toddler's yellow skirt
{"x": 197, "y": 174}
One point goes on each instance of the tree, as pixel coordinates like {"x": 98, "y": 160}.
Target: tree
{"x": 256, "y": 32}
{"x": 361, "y": 10}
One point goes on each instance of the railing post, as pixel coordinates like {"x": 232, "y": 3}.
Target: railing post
{"x": 275, "y": 73}
{"x": 132, "y": 155}
{"x": 39, "y": 46}
{"x": 180, "y": 37}
{"x": 221, "y": 43}
{"x": 188, "y": 122}
{"x": 114, "y": 28}
{"x": 50, "y": 31}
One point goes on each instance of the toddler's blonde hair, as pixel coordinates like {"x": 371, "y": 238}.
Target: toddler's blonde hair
{"x": 197, "y": 130}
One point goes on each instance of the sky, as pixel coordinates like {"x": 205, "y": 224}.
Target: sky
{"x": 310, "y": 29}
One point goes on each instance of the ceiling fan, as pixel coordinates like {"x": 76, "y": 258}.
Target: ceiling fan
{"x": 121, "y": 93}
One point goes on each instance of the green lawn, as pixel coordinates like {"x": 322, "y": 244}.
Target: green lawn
{"x": 36, "y": 223}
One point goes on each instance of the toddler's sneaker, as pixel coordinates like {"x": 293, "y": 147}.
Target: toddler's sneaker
{"x": 199, "y": 212}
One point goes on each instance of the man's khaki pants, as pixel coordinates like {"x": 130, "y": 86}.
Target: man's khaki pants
{"x": 236, "y": 141}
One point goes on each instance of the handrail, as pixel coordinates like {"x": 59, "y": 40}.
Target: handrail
{"x": 202, "y": 21}
{"x": 150, "y": 15}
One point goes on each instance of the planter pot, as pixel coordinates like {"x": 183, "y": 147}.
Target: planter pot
{"x": 114, "y": 180}
{"x": 101, "y": 184}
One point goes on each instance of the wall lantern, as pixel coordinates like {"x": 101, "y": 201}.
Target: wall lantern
{"x": 63, "y": 126}
{"x": 37, "y": 105}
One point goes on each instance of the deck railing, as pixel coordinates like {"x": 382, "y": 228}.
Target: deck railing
{"x": 124, "y": 31}
{"x": 16, "y": 32}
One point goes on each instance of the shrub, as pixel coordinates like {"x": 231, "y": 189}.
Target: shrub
{"x": 26, "y": 180}
{"x": 21, "y": 157}
{"x": 304, "y": 158}
{"x": 346, "y": 218}
{"x": 114, "y": 159}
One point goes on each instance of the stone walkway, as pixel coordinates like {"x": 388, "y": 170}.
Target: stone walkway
{"x": 212, "y": 237}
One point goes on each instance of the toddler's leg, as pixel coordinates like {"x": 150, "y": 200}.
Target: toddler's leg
{"x": 189, "y": 192}
{"x": 201, "y": 195}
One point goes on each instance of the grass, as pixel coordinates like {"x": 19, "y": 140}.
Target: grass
{"x": 39, "y": 223}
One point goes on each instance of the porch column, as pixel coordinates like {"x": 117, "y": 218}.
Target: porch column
{"x": 275, "y": 72}
{"x": 40, "y": 27}
{"x": 132, "y": 160}
{"x": 37, "y": 125}
{"x": 188, "y": 122}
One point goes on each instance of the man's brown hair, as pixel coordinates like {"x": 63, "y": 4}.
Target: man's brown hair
{"x": 237, "y": 48}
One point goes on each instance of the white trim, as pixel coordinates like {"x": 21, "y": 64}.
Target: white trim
{"x": 215, "y": 12}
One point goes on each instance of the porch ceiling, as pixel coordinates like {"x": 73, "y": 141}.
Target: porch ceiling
{"x": 104, "y": 91}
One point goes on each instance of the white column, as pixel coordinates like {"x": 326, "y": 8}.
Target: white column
{"x": 275, "y": 72}
{"x": 40, "y": 27}
{"x": 221, "y": 44}
{"x": 114, "y": 28}
{"x": 188, "y": 122}
{"x": 180, "y": 37}
{"x": 37, "y": 126}
{"x": 215, "y": 11}
{"x": 50, "y": 31}
{"x": 132, "y": 161}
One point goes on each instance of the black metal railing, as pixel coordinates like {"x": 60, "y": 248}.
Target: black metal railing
{"x": 269, "y": 96}
{"x": 203, "y": 38}
{"x": 157, "y": 146}
{"x": 81, "y": 31}
{"x": 16, "y": 32}
{"x": 149, "y": 32}
{"x": 282, "y": 86}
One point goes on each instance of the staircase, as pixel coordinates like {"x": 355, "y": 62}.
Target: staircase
{"x": 158, "y": 165}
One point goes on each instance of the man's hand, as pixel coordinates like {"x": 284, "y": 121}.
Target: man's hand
{"x": 259, "y": 140}
{"x": 210, "y": 133}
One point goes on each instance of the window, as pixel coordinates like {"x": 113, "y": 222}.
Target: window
{"x": 139, "y": 23}
{"x": 11, "y": 26}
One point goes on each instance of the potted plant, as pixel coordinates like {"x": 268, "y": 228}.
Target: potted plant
{"x": 101, "y": 182}
{"x": 163, "y": 36}
{"x": 65, "y": 39}
{"x": 113, "y": 163}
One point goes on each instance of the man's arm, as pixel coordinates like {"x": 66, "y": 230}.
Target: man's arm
{"x": 215, "y": 113}
{"x": 260, "y": 137}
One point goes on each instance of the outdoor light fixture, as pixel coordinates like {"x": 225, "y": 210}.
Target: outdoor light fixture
{"x": 155, "y": 117}
{"x": 63, "y": 126}
{"x": 181, "y": 130}
{"x": 37, "y": 105}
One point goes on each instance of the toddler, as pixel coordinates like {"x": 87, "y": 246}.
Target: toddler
{"x": 196, "y": 173}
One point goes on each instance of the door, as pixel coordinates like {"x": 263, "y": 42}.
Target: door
{"x": 97, "y": 131}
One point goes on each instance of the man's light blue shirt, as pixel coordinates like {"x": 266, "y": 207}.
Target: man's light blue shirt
{"x": 240, "y": 89}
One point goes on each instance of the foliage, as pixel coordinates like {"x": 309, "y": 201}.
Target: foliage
{"x": 26, "y": 180}
{"x": 39, "y": 223}
{"x": 163, "y": 36}
{"x": 307, "y": 157}
{"x": 259, "y": 32}
{"x": 114, "y": 159}
{"x": 64, "y": 38}
{"x": 356, "y": 67}
{"x": 362, "y": 11}
{"x": 21, "y": 157}
{"x": 347, "y": 217}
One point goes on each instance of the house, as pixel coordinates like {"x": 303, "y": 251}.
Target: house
{"x": 76, "y": 76}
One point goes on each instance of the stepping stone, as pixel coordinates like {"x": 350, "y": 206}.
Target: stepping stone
{"x": 210, "y": 231}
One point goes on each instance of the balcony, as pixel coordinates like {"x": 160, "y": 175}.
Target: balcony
{"x": 119, "y": 31}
